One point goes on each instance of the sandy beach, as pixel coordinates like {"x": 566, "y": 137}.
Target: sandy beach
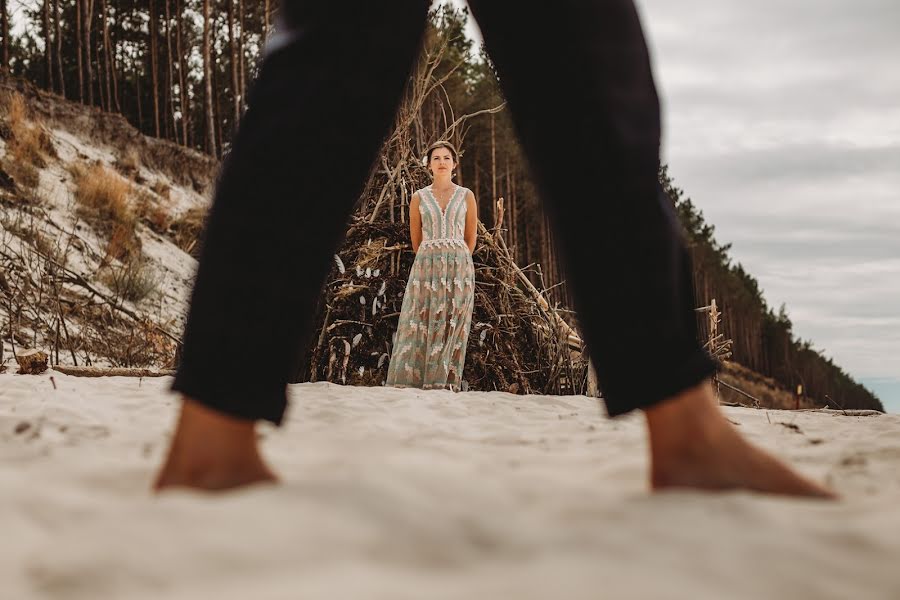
{"x": 393, "y": 493}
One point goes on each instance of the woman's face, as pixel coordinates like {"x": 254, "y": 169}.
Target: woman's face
{"x": 441, "y": 161}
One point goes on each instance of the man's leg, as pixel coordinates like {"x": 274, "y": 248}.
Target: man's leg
{"x": 578, "y": 80}
{"x": 326, "y": 96}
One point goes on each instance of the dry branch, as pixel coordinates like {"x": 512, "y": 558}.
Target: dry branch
{"x": 847, "y": 413}
{"x": 112, "y": 371}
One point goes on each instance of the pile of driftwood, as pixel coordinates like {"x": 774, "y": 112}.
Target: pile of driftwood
{"x": 518, "y": 342}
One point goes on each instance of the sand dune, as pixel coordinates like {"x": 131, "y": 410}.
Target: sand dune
{"x": 410, "y": 494}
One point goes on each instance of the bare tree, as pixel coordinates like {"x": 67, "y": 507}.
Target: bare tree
{"x": 493, "y": 168}
{"x": 4, "y": 31}
{"x": 154, "y": 75}
{"x": 137, "y": 82}
{"x": 58, "y": 35}
{"x": 241, "y": 54}
{"x": 107, "y": 51}
{"x": 86, "y": 19}
{"x": 78, "y": 44}
{"x": 207, "y": 76}
{"x": 48, "y": 49}
{"x": 182, "y": 78}
{"x": 235, "y": 76}
{"x": 170, "y": 77}
{"x": 114, "y": 63}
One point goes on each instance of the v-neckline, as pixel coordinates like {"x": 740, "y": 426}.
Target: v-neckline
{"x": 449, "y": 202}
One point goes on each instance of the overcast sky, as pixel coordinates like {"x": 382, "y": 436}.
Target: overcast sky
{"x": 782, "y": 123}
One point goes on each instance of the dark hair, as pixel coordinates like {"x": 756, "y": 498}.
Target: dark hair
{"x": 442, "y": 144}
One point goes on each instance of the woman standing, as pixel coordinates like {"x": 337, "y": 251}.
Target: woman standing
{"x": 430, "y": 343}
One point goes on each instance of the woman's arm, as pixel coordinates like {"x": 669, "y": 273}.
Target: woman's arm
{"x": 471, "y": 233}
{"x": 415, "y": 222}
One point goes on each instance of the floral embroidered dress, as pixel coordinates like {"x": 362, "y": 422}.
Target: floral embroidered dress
{"x": 430, "y": 342}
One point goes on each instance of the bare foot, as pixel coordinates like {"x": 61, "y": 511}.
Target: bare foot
{"x": 692, "y": 445}
{"x": 212, "y": 451}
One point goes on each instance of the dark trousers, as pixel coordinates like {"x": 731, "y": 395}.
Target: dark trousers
{"x": 577, "y": 76}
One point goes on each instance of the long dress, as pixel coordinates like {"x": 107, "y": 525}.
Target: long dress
{"x": 436, "y": 315}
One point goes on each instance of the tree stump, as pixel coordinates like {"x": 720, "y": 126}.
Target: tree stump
{"x": 31, "y": 362}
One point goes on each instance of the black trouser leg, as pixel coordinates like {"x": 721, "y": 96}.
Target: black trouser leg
{"x": 317, "y": 115}
{"x": 578, "y": 80}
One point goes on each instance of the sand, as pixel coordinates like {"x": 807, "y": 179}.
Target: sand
{"x": 409, "y": 494}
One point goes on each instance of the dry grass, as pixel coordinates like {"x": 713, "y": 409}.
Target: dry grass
{"x": 161, "y": 188}
{"x": 78, "y": 169}
{"x": 102, "y": 198}
{"x": 187, "y": 229}
{"x": 152, "y": 214}
{"x": 25, "y": 176}
{"x": 158, "y": 219}
{"x": 28, "y": 145}
{"x": 28, "y": 138}
{"x": 128, "y": 164}
{"x": 123, "y": 244}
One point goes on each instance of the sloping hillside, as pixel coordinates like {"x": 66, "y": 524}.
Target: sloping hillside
{"x": 98, "y": 222}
